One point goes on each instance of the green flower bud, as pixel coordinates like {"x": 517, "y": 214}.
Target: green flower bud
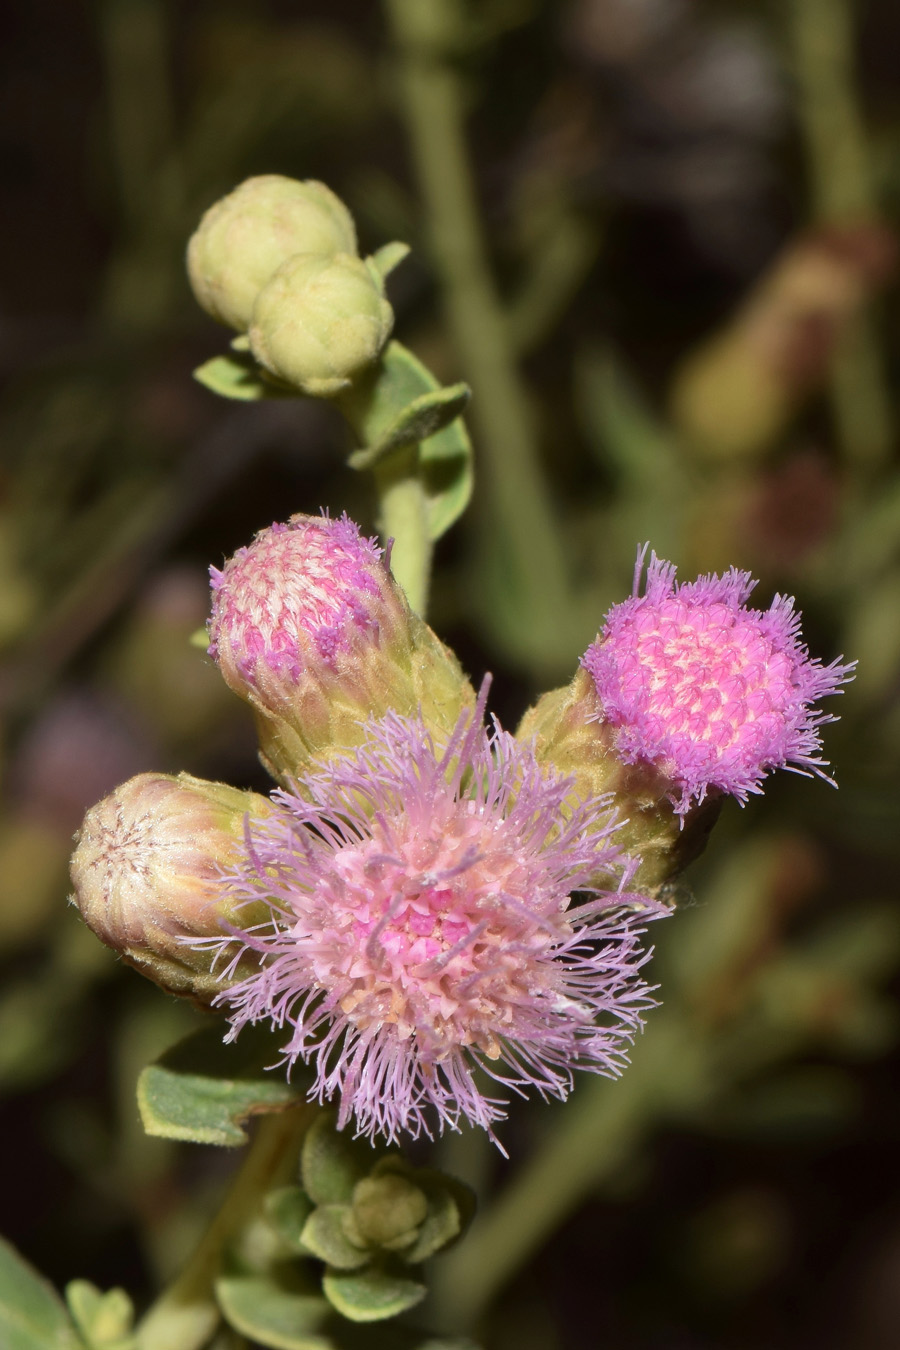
{"x": 146, "y": 872}
{"x": 320, "y": 320}
{"x": 570, "y": 735}
{"x": 387, "y": 1211}
{"x": 243, "y": 239}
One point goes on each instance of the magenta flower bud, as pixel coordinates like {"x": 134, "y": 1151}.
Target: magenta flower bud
{"x": 147, "y": 874}
{"x": 422, "y": 928}
{"x": 311, "y": 629}
{"x": 685, "y": 696}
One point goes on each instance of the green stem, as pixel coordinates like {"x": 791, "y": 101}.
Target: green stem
{"x": 824, "y": 48}
{"x": 595, "y": 1135}
{"x": 139, "y": 288}
{"x": 515, "y": 495}
{"x": 403, "y": 517}
{"x": 186, "y": 1314}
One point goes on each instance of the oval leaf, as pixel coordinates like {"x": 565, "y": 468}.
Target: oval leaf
{"x": 376, "y": 409}
{"x": 371, "y": 1295}
{"x": 325, "y": 1236}
{"x": 203, "y": 1091}
{"x": 238, "y": 376}
{"x": 104, "y": 1320}
{"x": 273, "y": 1316}
{"x": 423, "y": 417}
{"x": 332, "y": 1162}
{"x": 287, "y": 1210}
{"x": 32, "y": 1315}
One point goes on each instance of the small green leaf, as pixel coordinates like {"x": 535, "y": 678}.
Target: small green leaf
{"x": 203, "y": 1090}
{"x": 332, "y": 1162}
{"x": 371, "y": 1295}
{"x": 423, "y": 417}
{"x": 104, "y": 1320}
{"x": 324, "y": 1234}
{"x": 389, "y": 256}
{"x": 274, "y": 1316}
{"x": 32, "y": 1315}
{"x": 441, "y": 1225}
{"x": 287, "y": 1210}
{"x": 238, "y": 376}
{"x": 377, "y": 408}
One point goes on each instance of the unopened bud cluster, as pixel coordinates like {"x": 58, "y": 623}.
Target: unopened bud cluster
{"x": 277, "y": 260}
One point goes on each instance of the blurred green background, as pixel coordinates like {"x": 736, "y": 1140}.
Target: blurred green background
{"x": 684, "y": 264}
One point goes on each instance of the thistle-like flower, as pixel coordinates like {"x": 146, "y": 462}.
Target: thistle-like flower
{"x": 422, "y": 938}
{"x": 311, "y": 629}
{"x": 714, "y": 694}
{"x": 684, "y": 696}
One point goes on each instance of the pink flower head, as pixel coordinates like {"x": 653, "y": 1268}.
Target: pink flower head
{"x": 421, "y": 929}
{"x": 311, "y": 629}
{"x": 716, "y": 695}
{"x": 301, "y": 593}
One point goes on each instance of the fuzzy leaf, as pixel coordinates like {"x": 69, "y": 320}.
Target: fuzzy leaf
{"x": 238, "y": 376}
{"x": 280, "y": 1318}
{"x": 442, "y": 1225}
{"x": 371, "y": 1295}
{"x": 287, "y": 1210}
{"x": 324, "y": 1235}
{"x": 104, "y": 1320}
{"x": 401, "y": 401}
{"x": 203, "y": 1091}
{"x": 332, "y": 1162}
{"x": 423, "y": 417}
{"x": 389, "y": 256}
{"x": 32, "y": 1315}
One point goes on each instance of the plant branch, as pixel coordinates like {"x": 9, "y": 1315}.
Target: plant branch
{"x": 186, "y": 1314}
{"x": 824, "y": 49}
{"x": 515, "y": 499}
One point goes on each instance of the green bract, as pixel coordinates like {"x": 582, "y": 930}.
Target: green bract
{"x": 244, "y": 238}
{"x": 320, "y": 320}
{"x": 371, "y": 1217}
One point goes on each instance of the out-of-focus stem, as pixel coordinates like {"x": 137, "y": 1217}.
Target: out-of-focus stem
{"x": 601, "y": 1126}
{"x": 186, "y": 1315}
{"x": 403, "y": 517}
{"x": 142, "y": 134}
{"x": 841, "y": 183}
{"x": 514, "y": 494}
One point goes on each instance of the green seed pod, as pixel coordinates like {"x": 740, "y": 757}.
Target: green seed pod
{"x": 320, "y": 320}
{"x": 243, "y": 239}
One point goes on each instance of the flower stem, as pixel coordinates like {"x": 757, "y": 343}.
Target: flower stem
{"x": 403, "y": 517}
{"x": 186, "y": 1314}
{"x": 515, "y": 499}
{"x": 594, "y": 1136}
{"x": 842, "y": 190}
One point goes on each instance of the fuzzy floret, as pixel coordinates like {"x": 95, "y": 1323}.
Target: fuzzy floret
{"x": 715, "y": 694}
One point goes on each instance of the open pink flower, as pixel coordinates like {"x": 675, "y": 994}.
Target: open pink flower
{"x": 714, "y": 694}
{"x": 423, "y": 939}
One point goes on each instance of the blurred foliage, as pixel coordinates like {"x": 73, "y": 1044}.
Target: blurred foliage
{"x": 683, "y": 330}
